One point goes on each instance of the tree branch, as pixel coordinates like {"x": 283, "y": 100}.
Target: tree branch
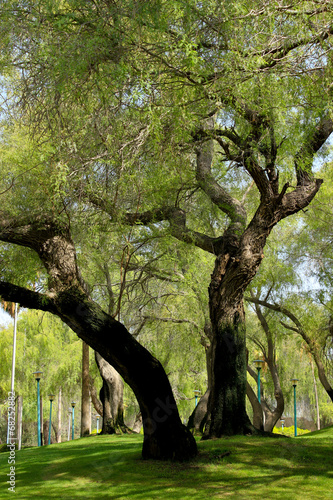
{"x": 27, "y": 298}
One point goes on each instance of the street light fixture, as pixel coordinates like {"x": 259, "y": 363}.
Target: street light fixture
{"x": 37, "y": 377}
{"x": 73, "y": 406}
{"x": 196, "y": 394}
{"x": 259, "y": 364}
{"x": 51, "y": 398}
{"x": 294, "y": 381}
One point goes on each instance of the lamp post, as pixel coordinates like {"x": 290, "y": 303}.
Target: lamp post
{"x": 51, "y": 398}
{"x": 37, "y": 377}
{"x": 73, "y": 406}
{"x": 97, "y": 424}
{"x": 196, "y": 394}
{"x": 294, "y": 381}
{"x": 258, "y": 363}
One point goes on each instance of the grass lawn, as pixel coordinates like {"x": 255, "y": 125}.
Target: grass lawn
{"x": 110, "y": 467}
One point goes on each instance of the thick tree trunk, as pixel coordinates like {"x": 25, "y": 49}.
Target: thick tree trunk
{"x": 85, "y": 399}
{"x": 165, "y": 437}
{"x": 235, "y": 267}
{"x": 227, "y": 410}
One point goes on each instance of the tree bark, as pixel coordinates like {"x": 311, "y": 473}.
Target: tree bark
{"x": 85, "y": 399}
{"x": 111, "y": 396}
{"x": 271, "y": 416}
{"x": 198, "y": 418}
{"x": 258, "y": 416}
{"x": 165, "y": 437}
{"x": 58, "y": 435}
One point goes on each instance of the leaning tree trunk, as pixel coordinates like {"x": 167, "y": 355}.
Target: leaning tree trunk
{"x": 165, "y": 437}
{"x": 111, "y": 396}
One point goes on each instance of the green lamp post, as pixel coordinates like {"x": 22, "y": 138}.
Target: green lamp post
{"x": 51, "y": 398}
{"x": 294, "y": 381}
{"x": 73, "y": 406}
{"x": 196, "y": 394}
{"x": 37, "y": 377}
{"x": 259, "y": 363}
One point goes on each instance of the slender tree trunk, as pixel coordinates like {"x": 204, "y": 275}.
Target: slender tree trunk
{"x": 198, "y": 418}
{"x": 137, "y": 423}
{"x": 85, "y": 400}
{"x": 258, "y": 415}
{"x": 316, "y": 394}
{"x": 58, "y": 438}
{"x": 111, "y": 396}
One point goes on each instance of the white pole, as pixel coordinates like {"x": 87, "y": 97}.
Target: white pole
{"x": 14, "y": 350}
{"x": 13, "y": 362}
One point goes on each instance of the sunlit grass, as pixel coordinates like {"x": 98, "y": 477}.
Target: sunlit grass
{"x": 110, "y": 467}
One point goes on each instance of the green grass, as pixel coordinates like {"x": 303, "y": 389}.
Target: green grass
{"x": 110, "y": 467}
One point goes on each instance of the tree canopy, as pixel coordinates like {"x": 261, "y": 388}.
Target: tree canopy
{"x": 145, "y": 122}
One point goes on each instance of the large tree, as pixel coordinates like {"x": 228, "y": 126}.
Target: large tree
{"x": 180, "y": 113}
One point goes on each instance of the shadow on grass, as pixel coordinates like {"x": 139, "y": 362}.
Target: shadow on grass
{"x": 110, "y": 467}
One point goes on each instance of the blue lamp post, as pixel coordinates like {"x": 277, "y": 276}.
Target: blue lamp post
{"x": 73, "y": 406}
{"x": 258, "y": 363}
{"x": 37, "y": 377}
{"x": 51, "y": 398}
{"x": 294, "y": 381}
{"x": 196, "y": 394}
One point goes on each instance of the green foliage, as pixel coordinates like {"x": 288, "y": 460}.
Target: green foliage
{"x": 43, "y": 343}
{"x": 289, "y": 431}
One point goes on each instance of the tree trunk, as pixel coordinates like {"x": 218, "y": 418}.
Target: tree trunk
{"x": 85, "y": 400}
{"x": 58, "y": 434}
{"x": 258, "y": 416}
{"x": 111, "y": 396}
{"x": 165, "y": 436}
{"x": 198, "y": 418}
{"x": 137, "y": 423}
{"x": 227, "y": 411}
{"x": 235, "y": 267}
{"x": 316, "y": 394}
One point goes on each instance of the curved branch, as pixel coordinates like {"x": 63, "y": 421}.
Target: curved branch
{"x": 217, "y": 194}
{"x": 27, "y": 298}
{"x": 312, "y": 143}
